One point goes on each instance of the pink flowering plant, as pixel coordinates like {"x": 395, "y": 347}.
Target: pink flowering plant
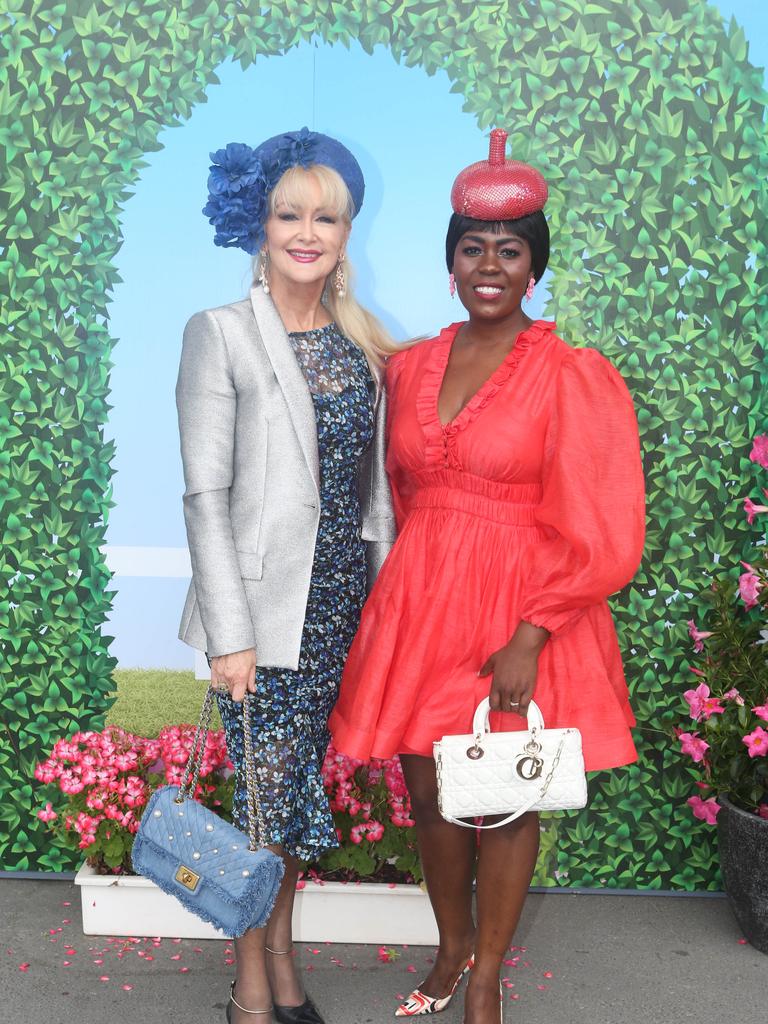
{"x": 372, "y": 813}
{"x": 107, "y": 778}
{"x": 728, "y": 737}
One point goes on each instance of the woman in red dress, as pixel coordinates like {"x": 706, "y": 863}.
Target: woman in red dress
{"x": 515, "y": 469}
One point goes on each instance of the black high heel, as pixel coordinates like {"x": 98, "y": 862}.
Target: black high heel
{"x": 305, "y": 1013}
{"x": 233, "y": 1001}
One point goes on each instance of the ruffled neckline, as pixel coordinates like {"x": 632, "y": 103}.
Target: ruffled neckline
{"x": 438, "y": 435}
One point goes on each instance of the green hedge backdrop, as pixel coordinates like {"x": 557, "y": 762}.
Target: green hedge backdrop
{"x": 646, "y": 118}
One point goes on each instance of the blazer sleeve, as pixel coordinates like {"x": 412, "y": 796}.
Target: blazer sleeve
{"x": 378, "y": 524}
{"x": 593, "y": 503}
{"x": 206, "y": 402}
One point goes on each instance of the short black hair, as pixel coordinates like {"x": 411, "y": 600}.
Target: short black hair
{"x": 533, "y": 228}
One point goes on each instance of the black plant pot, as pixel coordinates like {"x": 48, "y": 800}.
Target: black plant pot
{"x": 744, "y": 863}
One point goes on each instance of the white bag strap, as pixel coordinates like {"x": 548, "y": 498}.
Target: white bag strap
{"x": 504, "y": 821}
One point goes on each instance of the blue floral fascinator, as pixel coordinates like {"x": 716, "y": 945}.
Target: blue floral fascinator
{"x": 241, "y": 179}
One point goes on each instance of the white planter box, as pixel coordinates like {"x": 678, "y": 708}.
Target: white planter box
{"x": 332, "y": 912}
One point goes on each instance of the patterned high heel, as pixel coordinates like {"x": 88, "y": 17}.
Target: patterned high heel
{"x": 233, "y": 1002}
{"x": 418, "y": 1003}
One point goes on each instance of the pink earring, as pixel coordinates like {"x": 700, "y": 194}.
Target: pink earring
{"x": 452, "y": 285}
{"x": 529, "y": 289}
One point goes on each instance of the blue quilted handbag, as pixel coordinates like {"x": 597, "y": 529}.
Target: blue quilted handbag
{"x": 215, "y": 870}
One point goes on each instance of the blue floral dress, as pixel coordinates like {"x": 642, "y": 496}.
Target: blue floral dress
{"x": 290, "y": 709}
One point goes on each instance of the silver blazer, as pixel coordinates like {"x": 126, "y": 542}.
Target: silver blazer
{"x": 252, "y": 483}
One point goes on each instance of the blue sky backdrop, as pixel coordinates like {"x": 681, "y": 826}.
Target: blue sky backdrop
{"x": 411, "y": 137}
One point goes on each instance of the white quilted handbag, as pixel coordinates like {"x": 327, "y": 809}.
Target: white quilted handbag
{"x": 509, "y": 773}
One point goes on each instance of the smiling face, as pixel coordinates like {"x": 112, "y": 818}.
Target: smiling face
{"x": 492, "y": 273}
{"x": 308, "y": 226}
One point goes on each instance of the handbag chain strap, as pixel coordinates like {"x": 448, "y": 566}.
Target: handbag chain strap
{"x": 256, "y": 825}
{"x": 551, "y": 772}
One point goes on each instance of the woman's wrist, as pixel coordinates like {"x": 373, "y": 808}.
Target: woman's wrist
{"x": 530, "y": 638}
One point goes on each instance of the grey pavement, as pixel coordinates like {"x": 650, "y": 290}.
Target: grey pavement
{"x": 587, "y": 959}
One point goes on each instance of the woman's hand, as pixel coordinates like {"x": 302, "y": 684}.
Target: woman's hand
{"x": 235, "y": 671}
{"x": 514, "y": 668}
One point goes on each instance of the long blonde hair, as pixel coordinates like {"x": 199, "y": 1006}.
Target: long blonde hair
{"x": 362, "y": 327}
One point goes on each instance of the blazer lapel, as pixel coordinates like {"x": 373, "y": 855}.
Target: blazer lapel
{"x": 289, "y": 377}
{"x": 377, "y": 372}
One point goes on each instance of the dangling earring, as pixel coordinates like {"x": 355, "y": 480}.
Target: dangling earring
{"x": 339, "y": 281}
{"x": 263, "y": 264}
{"x": 529, "y": 289}
{"x": 452, "y": 285}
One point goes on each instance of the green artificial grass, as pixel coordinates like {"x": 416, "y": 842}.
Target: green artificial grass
{"x": 148, "y": 699}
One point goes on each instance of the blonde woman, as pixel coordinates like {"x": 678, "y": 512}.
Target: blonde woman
{"x": 287, "y": 506}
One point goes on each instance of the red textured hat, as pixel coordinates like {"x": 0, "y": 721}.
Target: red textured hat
{"x": 498, "y": 189}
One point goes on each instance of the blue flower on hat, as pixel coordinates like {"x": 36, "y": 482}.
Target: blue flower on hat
{"x": 241, "y": 179}
{"x": 233, "y": 168}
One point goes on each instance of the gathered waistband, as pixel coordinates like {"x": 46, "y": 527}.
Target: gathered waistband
{"x": 513, "y": 504}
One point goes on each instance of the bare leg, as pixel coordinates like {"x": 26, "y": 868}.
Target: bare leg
{"x": 251, "y": 986}
{"x": 259, "y": 982}
{"x": 281, "y": 969}
{"x": 448, "y": 859}
{"x": 505, "y": 867}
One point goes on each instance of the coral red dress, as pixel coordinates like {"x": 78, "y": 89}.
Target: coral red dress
{"x": 528, "y": 505}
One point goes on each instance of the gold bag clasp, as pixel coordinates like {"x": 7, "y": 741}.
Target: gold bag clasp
{"x": 187, "y": 877}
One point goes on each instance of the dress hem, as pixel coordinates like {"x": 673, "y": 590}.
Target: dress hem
{"x": 602, "y": 756}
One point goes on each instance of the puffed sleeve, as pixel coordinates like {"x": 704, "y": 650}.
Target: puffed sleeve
{"x": 395, "y": 366}
{"x": 593, "y": 501}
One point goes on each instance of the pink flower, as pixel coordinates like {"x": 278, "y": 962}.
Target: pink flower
{"x": 733, "y": 694}
{"x": 698, "y": 636}
{"x": 701, "y": 704}
{"x": 757, "y": 742}
{"x": 47, "y": 813}
{"x": 759, "y": 453}
{"x": 387, "y": 954}
{"x": 706, "y": 810}
{"x": 762, "y": 810}
{"x": 761, "y": 711}
{"x": 753, "y": 510}
{"x": 693, "y": 745}
{"x": 749, "y": 586}
{"x": 375, "y": 831}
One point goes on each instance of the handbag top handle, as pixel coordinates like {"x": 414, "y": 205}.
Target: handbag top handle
{"x": 481, "y": 723}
